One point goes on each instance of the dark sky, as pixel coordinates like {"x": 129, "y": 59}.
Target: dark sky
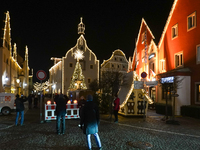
{"x": 49, "y": 28}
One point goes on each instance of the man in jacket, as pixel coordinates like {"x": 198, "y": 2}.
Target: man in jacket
{"x": 19, "y": 109}
{"x": 90, "y": 121}
{"x": 116, "y": 108}
{"x": 60, "y": 112}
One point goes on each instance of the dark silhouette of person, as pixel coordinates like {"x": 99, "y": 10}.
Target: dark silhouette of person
{"x": 60, "y": 112}
{"x": 36, "y": 101}
{"x": 30, "y": 101}
{"x": 116, "y": 108}
{"x": 20, "y": 109}
{"x": 90, "y": 121}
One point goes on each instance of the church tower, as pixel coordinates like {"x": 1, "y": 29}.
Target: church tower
{"x": 81, "y": 27}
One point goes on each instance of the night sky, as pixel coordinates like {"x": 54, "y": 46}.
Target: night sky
{"x": 49, "y": 28}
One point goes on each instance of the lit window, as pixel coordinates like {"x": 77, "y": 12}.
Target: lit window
{"x": 91, "y": 66}
{"x": 162, "y": 65}
{"x": 175, "y": 31}
{"x": 178, "y": 59}
{"x": 198, "y": 54}
{"x": 70, "y": 64}
{"x": 197, "y": 92}
{"x": 191, "y": 21}
{"x": 143, "y": 37}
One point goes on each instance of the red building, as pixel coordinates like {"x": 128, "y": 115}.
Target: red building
{"x": 177, "y": 53}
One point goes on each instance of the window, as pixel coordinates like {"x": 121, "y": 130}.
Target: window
{"x": 197, "y": 88}
{"x": 89, "y": 80}
{"x": 143, "y": 37}
{"x": 179, "y": 60}
{"x": 91, "y": 66}
{"x": 175, "y": 31}
{"x": 118, "y": 66}
{"x": 166, "y": 91}
{"x": 191, "y": 21}
{"x": 112, "y": 66}
{"x": 115, "y": 58}
{"x": 120, "y": 59}
{"x": 162, "y": 65}
{"x": 198, "y": 54}
{"x": 70, "y": 64}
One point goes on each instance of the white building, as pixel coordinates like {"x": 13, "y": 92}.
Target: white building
{"x": 117, "y": 62}
{"x": 61, "y": 73}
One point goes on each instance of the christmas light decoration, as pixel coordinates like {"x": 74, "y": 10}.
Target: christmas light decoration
{"x": 78, "y": 55}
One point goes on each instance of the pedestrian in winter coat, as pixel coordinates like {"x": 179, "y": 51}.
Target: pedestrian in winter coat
{"x": 90, "y": 121}
{"x": 116, "y": 108}
{"x": 19, "y": 109}
{"x": 60, "y": 112}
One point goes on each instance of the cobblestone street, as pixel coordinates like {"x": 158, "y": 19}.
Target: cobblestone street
{"x": 129, "y": 133}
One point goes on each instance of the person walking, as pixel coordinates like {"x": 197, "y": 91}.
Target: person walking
{"x": 19, "y": 109}
{"x": 90, "y": 121}
{"x": 60, "y": 112}
{"x": 116, "y": 108}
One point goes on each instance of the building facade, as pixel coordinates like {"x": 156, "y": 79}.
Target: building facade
{"x": 14, "y": 78}
{"x": 176, "y": 56}
{"x": 117, "y": 62}
{"x": 62, "y": 71}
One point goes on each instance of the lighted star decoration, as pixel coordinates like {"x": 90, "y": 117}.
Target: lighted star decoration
{"x": 78, "y": 55}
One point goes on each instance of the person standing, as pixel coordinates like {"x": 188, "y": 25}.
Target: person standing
{"x": 90, "y": 121}
{"x": 116, "y": 108}
{"x": 19, "y": 109}
{"x": 30, "y": 101}
{"x": 81, "y": 104}
{"x": 60, "y": 112}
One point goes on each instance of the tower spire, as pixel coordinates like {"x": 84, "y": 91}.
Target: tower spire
{"x": 81, "y": 27}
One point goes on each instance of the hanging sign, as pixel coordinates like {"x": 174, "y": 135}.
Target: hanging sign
{"x": 151, "y": 83}
{"x": 138, "y": 85}
{"x": 41, "y": 75}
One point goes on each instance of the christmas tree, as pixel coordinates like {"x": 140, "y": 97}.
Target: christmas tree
{"x": 78, "y": 79}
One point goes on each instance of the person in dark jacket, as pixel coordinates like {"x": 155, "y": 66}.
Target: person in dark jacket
{"x": 30, "y": 101}
{"x": 36, "y": 101}
{"x": 116, "y": 108}
{"x": 19, "y": 109}
{"x": 60, "y": 112}
{"x": 90, "y": 121}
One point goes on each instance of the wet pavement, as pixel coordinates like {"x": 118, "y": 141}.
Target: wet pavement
{"x": 129, "y": 133}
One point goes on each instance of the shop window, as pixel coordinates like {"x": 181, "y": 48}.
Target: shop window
{"x": 197, "y": 92}
{"x": 175, "y": 31}
{"x": 198, "y": 54}
{"x": 191, "y": 21}
{"x": 166, "y": 91}
{"x": 70, "y": 65}
{"x": 179, "y": 60}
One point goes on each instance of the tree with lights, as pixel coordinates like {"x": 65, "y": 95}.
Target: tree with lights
{"x": 78, "y": 79}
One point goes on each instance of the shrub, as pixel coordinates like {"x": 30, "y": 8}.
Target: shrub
{"x": 190, "y": 111}
{"x": 160, "y": 109}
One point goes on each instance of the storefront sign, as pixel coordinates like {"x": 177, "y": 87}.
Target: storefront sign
{"x": 138, "y": 85}
{"x": 151, "y": 55}
{"x": 151, "y": 83}
{"x": 167, "y": 80}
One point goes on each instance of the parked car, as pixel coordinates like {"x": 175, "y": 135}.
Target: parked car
{"x": 7, "y": 103}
